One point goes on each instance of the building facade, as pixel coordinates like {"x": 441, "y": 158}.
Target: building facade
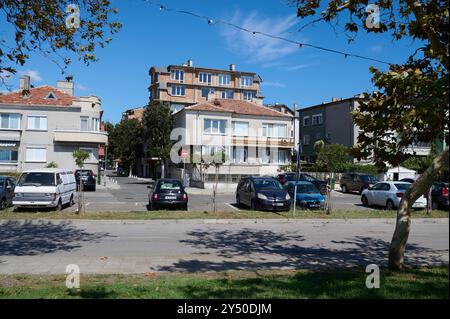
{"x": 46, "y": 125}
{"x": 254, "y": 139}
{"x": 184, "y": 85}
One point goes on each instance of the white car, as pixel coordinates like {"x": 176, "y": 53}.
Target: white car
{"x": 389, "y": 195}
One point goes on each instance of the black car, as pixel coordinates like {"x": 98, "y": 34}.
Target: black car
{"x": 290, "y": 177}
{"x": 7, "y": 185}
{"x": 87, "y": 177}
{"x": 439, "y": 195}
{"x": 264, "y": 193}
{"x": 356, "y": 182}
{"x": 167, "y": 193}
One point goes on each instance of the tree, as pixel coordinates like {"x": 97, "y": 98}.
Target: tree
{"x": 411, "y": 105}
{"x": 57, "y": 29}
{"x": 158, "y": 122}
{"x": 125, "y": 141}
{"x": 80, "y": 157}
{"x": 331, "y": 157}
{"x": 52, "y": 164}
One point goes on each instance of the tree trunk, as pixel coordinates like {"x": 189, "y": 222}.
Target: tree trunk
{"x": 417, "y": 189}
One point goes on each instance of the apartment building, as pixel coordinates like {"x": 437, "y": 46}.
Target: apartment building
{"x": 184, "y": 85}
{"x": 283, "y": 108}
{"x": 135, "y": 113}
{"x": 332, "y": 122}
{"x": 255, "y": 139}
{"x": 46, "y": 125}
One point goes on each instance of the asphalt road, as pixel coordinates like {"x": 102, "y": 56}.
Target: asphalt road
{"x": 132, "y": 196}
{"x": 47, "y": 247}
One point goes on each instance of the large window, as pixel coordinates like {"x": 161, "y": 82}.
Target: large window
{"x": 10, "y": 121}
{"x": 240, "y": 154}
{"x": 246, "y": 81}
{"x": 274, "y": 130}
{"x": 177, "y": 75}
{"x": 240, "y": 128}
{"x": 84, "y": 123}
{"x": 317, "y": 119}
{"x": 214, "y": 126}
{"x": 206, "y": 91}
{"x": 305, "y": 121}
{"x": 95, "y": 124}
{"x": 204, "y": 78}
{"x": 36, "y": 155}
{"x": 177, "y": 90}
{"x": 227, "y": 94}
{"x": 8, "y": 156}
{"x": 306, "y": 139}
{"x": 248, "y": 95}
{"x": 224, "y": 79}
{"x": 37, "y": 122}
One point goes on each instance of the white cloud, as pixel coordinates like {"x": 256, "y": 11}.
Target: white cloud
{"x": 33, "y": 74}
{"x": 81, "y": 87}
{"x": 274, "y": 84}
{"x": 295, "y": 67}
{"x": 259, "y": 47}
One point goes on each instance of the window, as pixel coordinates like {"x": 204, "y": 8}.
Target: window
{"x": 224, "y": 79}
{"x": 51, "y": 96}
{"x": 177, "y": 75}
{"x": 228, "y": 94}
{"x": 240, "y": 128}
{"x": 248, "y": 95}
{"x": 8, "y": 156}
{"x": 274, "y": 130}
{"x": 216, "y": 153}
{"x": 305, "y": 139}
{"x": 317, "y": 119}
{"x": 37, "y": 122}
{"x": 36, "y": 155}
{"x": 318, "y": 136}
{"x": 246, "y": 81}
{"x": 206, "y": 91}
{"x": 176, "y": 107}
{"x": 10, "y": 121}
{"x": 90, "y": 152}
{"x": 281, "y": 156}
{"x": 95, "y": 124}
{"x": 265, "y": 158}
{"x": 240, "y": 154}
{"x": 305, "y": 121}
{"x": 84, "y": 124}
{"x": 214, "y": 126}
{"x": 204, "y": 78}
{"x": 177, "y": 90}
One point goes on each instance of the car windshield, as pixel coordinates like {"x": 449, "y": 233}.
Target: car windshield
{"x": 37, "y": 179}
{"x": 306, "y": 189}
{"x": 83, "y": 173}
{"x": 369, "y": 178}
{"x": 402, "y": 187}
{"x": 290, "y": 177}
{"x": 266, "y": 184}
{"x": 169, "y": 186}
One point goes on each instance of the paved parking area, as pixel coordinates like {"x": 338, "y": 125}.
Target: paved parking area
{"x": 132, "y": 196}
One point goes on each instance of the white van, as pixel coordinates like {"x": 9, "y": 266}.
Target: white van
{"x": 46, "y": 187}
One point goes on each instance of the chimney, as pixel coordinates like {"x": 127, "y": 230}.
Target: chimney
{"x": 190, "y": 63}
{"x": 232, "y": 67}
{"x": 65, "y": 86}
{"x": 335, "y": 99}
{"x": 24, "y": 83}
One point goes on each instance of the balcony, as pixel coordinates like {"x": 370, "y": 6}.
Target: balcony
{"x": 263, "y": 141}
{"x": 77, "y": 136}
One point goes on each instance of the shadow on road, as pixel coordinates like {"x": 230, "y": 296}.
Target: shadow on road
{"x": 264, "y": 249}
{"x": 26, "y": 238}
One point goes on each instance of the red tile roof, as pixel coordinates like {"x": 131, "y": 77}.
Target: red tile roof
{"x": 235, "y": 106}
{"x": 38, "y": 96}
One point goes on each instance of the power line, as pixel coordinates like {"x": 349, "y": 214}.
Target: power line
{"x": 212, "y": 21}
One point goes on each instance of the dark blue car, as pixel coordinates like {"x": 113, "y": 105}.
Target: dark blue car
{"x": 308, "y": 196}
{"x": 7, "y": 185}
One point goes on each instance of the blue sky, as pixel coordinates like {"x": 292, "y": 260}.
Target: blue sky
{"x": 290, "y": 74}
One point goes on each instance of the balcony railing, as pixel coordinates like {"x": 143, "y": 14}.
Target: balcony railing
{"x": 263, "y": 141}
{"x": 74, "y": 136}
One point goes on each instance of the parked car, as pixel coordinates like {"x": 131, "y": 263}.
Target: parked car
{"x": 167, "y": 193}
{"x": 291, "y": 177}
{"x": 264, "y": 193}
{"x": 7, "y": 185}
{"x": 308, "y": 196}
{"x": 356, "y": 182}
{"x": 389, "y": 195}
{"x": 408, "y": 180}
{"x": 439, "y": 195}
{"x": 46, "y": 187}
{"x": 87, "y": 177}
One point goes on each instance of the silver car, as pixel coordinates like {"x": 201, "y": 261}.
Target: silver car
{"x": 389, "y": 195}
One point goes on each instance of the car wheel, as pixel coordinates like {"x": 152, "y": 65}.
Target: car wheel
{"x": 58, "y": 208}
{"x": 3, "y": 204}
{"x": 344, "y": 189}
{"x": 252, "y": 205}
{"x": 93, "y": 188}
{"x": 434, "y": 205}
{"x": 72, "y": 201}
{"x": 365, "y": 201}
{"x": 390, "y": 205}
{"x": 185, "y": 207}
{"x": 238, "y": 201}
{"x": 361, "y": 190}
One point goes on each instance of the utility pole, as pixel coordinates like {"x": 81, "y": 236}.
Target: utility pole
{"x": 297, "y": 169}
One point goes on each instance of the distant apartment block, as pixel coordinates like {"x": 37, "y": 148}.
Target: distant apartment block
{"x": 184, "y": 85}
{"x": 46, "y": 125}
{"x": 132, "y": 114}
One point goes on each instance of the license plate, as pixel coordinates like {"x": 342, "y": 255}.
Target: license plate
{"x": 170, "y": 197}
{"x": 314, "y": 205}
{"x": 84, "y": 178}
{"x": 277, "y": 204}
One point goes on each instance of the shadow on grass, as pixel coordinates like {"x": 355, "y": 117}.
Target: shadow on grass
{"x": 98, "y": 292}
{"x": 29, "y": 238}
